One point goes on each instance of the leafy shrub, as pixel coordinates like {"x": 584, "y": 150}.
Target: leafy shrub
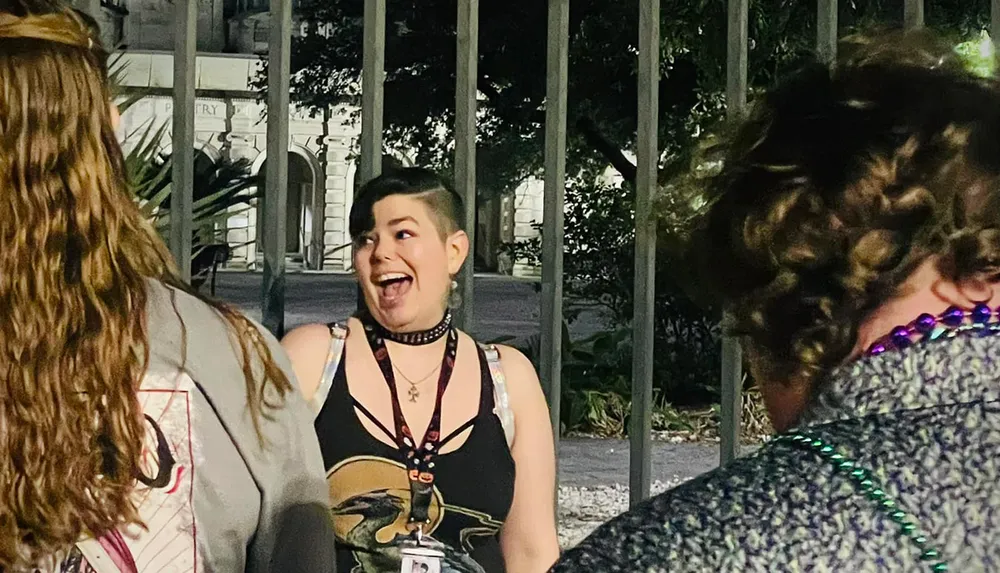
{"x": 599, "y": 270}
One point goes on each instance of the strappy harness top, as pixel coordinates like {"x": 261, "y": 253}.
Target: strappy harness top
{"x": 370, "y": 497}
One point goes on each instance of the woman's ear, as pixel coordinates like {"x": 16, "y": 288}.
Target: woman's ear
{"x": 975, "y": 290}
{"x": 457, "y": 246}
{"x": 964, "y": 293}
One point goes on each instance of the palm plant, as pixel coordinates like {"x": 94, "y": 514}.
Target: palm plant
{"x": 116, "y": 77}
{"x": 222, "y": 189}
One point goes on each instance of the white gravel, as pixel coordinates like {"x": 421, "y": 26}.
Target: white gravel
{"x": 582, "y": 509}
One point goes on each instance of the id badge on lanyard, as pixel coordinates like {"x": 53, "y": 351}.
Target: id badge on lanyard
{"x": 420, "y": 555}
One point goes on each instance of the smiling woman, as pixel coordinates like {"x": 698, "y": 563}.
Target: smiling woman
{"x": 399, "y": 228}
{"x": 437, "y": 478}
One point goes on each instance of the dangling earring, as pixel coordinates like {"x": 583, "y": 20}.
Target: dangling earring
{"x": 454, "y": 296}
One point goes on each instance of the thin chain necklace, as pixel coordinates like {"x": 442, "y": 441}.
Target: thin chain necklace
{"x": 420, "y": 338}
{"x": 864, "y": 482}
{"x": 420, "y": 458}
{"x": 414, "y": 392}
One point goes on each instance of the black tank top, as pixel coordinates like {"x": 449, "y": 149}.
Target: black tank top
{"x": 369, "y": 488}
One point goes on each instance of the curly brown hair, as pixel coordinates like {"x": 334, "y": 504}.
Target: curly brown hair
{"x": 844, "y": 179}
{"x": 74, "y": 270}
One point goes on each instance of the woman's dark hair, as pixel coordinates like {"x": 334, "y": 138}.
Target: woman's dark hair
{"x": 842, "y": 182}
{"x": 423, "y": 184}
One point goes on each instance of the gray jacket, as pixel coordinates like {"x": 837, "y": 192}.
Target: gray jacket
{"x": 212, "y": 497}
{"x": 255, "y": 508}
{"x": 922, "y": 424}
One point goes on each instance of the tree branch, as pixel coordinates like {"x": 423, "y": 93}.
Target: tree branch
{"x": 593, "y": 135}
{"x": 488, "y": 89}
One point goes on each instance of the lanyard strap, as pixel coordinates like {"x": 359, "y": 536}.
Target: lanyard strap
{"x": 419, "y": 457}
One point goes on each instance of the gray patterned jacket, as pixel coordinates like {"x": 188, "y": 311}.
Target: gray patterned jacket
{"x": 925, "y": 422}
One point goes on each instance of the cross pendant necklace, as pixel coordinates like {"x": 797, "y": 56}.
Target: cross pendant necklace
{"x": 414, "y": 391}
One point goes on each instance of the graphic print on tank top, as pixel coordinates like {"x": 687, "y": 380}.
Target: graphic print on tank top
{"x": 370, "y": 503}
{"x": 370, "y": 491}
{"x": 164, "y": 494}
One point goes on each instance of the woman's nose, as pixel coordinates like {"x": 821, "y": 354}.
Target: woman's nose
{"x": 382, "y": 251}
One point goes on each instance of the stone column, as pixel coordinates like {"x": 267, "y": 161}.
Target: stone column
{"x": 339, "y": 194}
{"x": 528, "y": 209}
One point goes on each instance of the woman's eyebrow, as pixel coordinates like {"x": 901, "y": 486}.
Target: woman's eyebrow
{"x": 399, "y": 220}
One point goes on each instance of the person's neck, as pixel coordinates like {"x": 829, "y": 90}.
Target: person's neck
{"x": 925, "y": 291}
{"x": 419, "y": 332}
{"x": 411, "y": 357}
{"x": 419, "y": 353}
{"x": 421, "y": 324}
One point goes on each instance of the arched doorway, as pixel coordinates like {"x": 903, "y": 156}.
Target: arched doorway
{"x": 204, "y": 168}
{"x": 298, "y": 218}
{"x": 203, "y": 165}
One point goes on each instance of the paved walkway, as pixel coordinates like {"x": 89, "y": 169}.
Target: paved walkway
{"x": 593, "y": 479}
{"x": 593, "y": 462}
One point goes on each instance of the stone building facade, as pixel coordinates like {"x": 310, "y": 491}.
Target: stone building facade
{"x": 230, "y": 122}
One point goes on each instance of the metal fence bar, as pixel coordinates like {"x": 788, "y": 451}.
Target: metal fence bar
{"x": 276, "y": 177}
{"x": 93, "y": 8}
{"x": 732, "y": 358}
{"x": 372, "y": 99}
{"x": 557, "y": 72}
{"x": 995, "y": 26}
{"x": 372, "y": 94}
{"x": 647, "y": 164}
{"x": 182, "y": 147}
{"x": 466, "y": 76}
{"x": 913, "y": 14}
{"x": 826, "y": 30}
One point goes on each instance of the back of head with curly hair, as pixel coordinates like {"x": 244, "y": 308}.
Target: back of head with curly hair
{"x": 75, "y": 267}
{"x": 843, "y": 181}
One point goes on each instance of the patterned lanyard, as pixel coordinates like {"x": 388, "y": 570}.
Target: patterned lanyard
{"x": 419, "y": 458}
{"x": 864, "y": 482}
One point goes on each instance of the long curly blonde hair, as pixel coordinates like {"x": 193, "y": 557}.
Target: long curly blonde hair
{"x": 845, "y": 179}
{"x": 74, "y": 267}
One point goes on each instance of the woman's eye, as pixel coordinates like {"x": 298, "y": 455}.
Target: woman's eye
{"x": 365, "y": 241}
{"x": 400, "y": 235}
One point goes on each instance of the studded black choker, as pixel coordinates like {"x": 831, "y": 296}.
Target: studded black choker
{"x": 418, "y": 338}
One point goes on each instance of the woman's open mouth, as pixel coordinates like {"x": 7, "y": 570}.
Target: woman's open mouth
{"x": 392, "y": 287}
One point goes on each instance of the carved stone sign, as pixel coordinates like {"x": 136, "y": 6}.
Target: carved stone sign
{"x": 202, "y": 108}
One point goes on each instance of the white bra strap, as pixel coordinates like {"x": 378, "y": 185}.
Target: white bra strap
{"x": 501, "y": 400}
{"x": 338, "y": 336}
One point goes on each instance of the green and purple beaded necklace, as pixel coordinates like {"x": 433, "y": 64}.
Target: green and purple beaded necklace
{"x": 926, "y": 327}
{"x": 864, "y": 482}
{"x": 948, "y": 324}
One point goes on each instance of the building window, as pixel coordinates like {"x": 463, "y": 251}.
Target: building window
{"x": 261, "y": 31}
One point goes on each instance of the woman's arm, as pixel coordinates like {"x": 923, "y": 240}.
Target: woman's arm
{"x": 528, "y": 538}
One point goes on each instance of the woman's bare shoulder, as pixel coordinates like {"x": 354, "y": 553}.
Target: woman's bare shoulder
{"x": 307, "y": 337}
{"x": 516, "y": 365}
{"x": 308, "y": 347}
